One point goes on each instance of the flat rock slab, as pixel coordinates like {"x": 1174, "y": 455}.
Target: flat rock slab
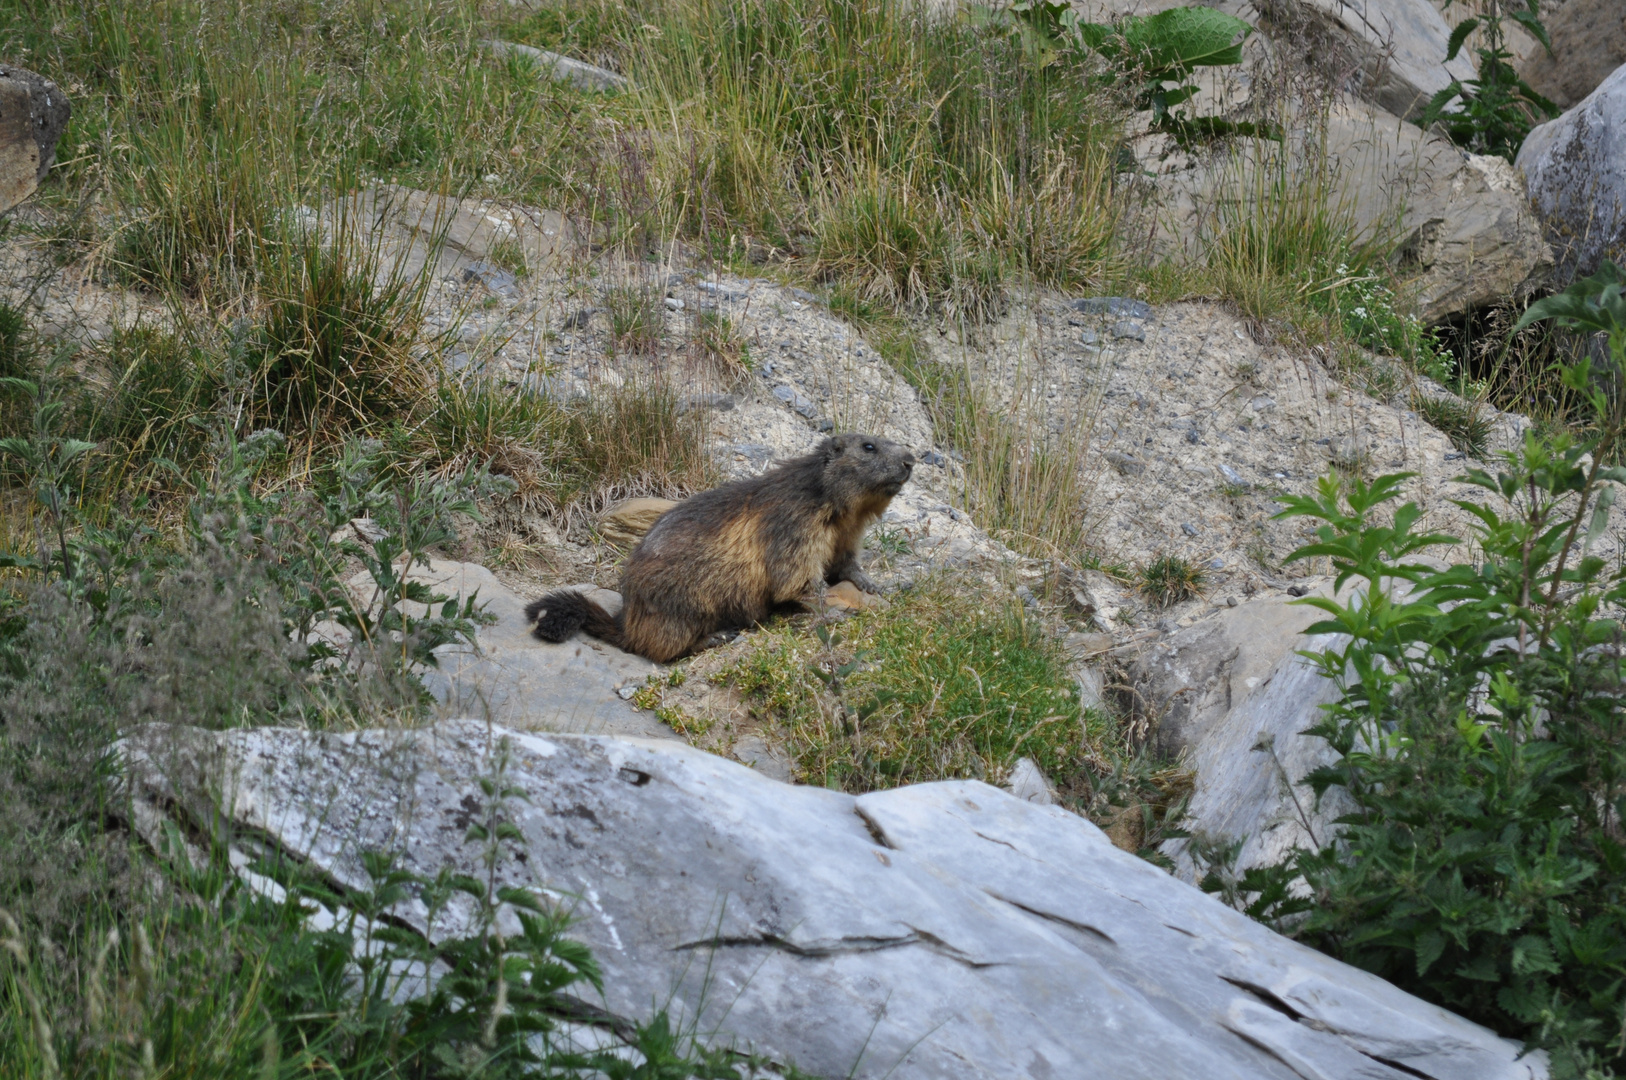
{"x": 529, "y": 684}
{"x": 565, "y": 69}
{"x": 464, "y": 237}
{"x": 945, "y": 930}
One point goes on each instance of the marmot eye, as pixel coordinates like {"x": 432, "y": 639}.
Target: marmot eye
{"x": 870, "y": 447}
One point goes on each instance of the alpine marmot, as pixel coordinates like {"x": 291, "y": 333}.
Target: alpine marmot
{"x": 728, "y": 557}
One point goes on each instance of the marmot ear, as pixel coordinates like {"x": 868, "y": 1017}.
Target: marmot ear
{"x": 830, "y": 449}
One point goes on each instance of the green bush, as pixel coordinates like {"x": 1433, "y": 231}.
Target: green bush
{"x": 1481, "y": 738}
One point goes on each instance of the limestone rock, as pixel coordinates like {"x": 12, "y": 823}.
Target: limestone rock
{"x": 33, "y": 112}
{"x": 1029, "y": 783}
{"x": 627, "y": 521}
{"x": 939, "y": 931}
{"x": 528, "y": 684}
{"x": 466, "y": 238}
{"x": 561, "y": 68}
{"x": 1187, "y": 683}
{"x": 1576, "y": 169}
{"x": 1589, "y": 43}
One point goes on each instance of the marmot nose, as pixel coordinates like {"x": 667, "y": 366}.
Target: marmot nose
{"x": 908, "y": 460}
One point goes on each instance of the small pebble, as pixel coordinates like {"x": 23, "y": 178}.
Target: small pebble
{"x": 1188, "y": 528}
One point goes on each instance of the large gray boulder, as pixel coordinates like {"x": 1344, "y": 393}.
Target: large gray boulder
{"x": 1589, "y": 43}
{"x": 941, "y": 931}
{"x": 1460, "y": 223}
{"x": 33, "y": 112}
{"x": 1576, "y": 170}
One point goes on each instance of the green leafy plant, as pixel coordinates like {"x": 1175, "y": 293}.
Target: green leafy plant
{"x": 1493, "y": 113}
{"x": 1157, "y": 54}
{"x": 1160, "y": 52}
{"x": 1480, "y": 738}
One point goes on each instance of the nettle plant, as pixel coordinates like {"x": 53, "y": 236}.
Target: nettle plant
{"x": 1481, "y": 738}
{"x": 1493, "y": 113}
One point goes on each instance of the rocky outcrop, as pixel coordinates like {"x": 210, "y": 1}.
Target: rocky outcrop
{"x": 1460, "y": 223}
{"x": 579, "y": 685}
{"x": 941, "y": 931}
{"x": 564, "y": 69}
{"x": 1576, "y": 170}
{"x": 33, "y": 112}
{"x": 1589, "y": 43}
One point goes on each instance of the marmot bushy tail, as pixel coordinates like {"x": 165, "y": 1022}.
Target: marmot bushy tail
{"x": 729, "y": 556}
{"x": 565, "y": 611}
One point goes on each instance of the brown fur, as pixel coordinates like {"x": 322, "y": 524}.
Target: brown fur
{"x": 728, "y": 557}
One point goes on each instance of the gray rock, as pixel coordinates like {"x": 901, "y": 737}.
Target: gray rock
{"x": 1459, "y": 226}
{"x": 1231, "y": 475}
{"x": 925, "y": 933}
{"x": 1029, "y": 783}
{"x": 720, "y": 402}
{"x": 755, "y": 453}
{"x": 1576, "y": 168}
{"x": 495, "y": 278}
{"x": 1124, "y": 463}
{"x": 412, "y": 229}
{"x": 1399, "y": 46}
{"x": 578, "y": 73}
{"x": 1117, "y": 306}
{"x": 1126, "y": 330}
{"x": 528, "y": 684}
{"x": 33, "y": 112}
{"x": 1466, "y": 236}
{"x": 1186, "y": 684}
{"x": 1589, "y": 43}
{"x": 795, "y": 399}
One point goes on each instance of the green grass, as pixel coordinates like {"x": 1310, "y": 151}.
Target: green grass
{"x": 1169, "y": 579}
{"x": 942, "y": 685}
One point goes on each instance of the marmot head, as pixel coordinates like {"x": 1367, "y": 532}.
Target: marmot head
{"x": 859, "y": 465}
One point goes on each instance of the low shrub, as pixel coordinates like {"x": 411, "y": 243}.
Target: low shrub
{"x": 1481, "y": 739}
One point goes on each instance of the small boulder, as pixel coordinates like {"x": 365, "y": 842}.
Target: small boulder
{"x": 33, "y": 112}
{"x": 626, "y": 522}
{"x": 1029, "y": 783}
{"x": 1576, "y": 169}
